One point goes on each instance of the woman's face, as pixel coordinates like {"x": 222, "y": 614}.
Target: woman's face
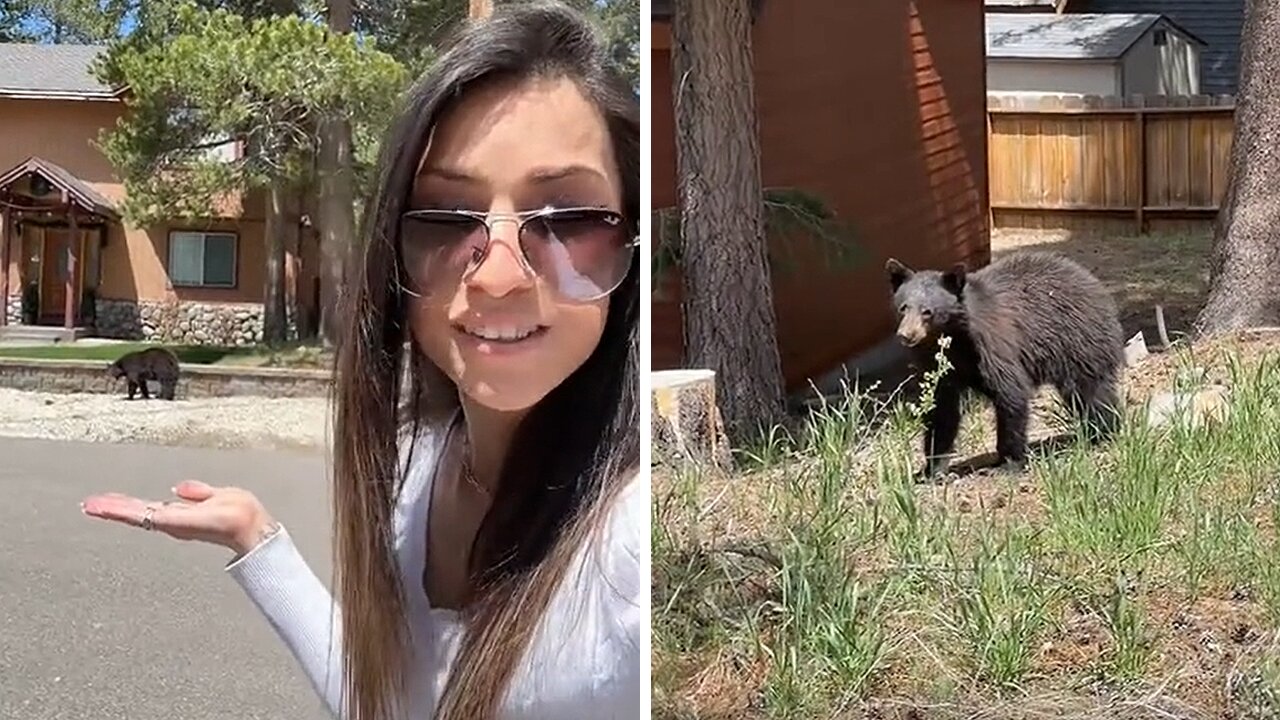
{"x": 505, "y": 334}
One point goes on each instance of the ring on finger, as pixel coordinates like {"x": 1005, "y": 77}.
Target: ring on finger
{"x": 147, "y": 522}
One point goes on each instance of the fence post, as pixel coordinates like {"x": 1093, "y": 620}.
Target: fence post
{"x": 6, "y": 235}
{"x": 992, "y": 102}
{"x": 1140, "y": 125}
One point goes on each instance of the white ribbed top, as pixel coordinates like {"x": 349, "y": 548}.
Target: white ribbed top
{"x": 584, "y": 662}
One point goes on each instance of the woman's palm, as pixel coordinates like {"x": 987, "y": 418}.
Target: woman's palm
{"x": 227, "y": 516}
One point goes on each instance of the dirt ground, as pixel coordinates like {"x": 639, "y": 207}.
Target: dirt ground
{"x": 252, "y": 422}
{"x": 1204, "y": 644}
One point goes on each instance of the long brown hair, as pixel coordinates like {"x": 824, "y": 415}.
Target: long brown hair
{"x": 575, "y": 448}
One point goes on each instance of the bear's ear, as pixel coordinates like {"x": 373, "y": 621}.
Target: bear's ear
{"x": 954, "y": 278}
{"x": 898, "y": 273}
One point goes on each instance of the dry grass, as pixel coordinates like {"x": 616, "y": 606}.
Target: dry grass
{"x": 1127, "y": 581}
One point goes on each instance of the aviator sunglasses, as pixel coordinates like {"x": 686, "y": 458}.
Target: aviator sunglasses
{"x": 584, "y": 252}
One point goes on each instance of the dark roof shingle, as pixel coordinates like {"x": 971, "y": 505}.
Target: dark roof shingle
{"x": 1065, "y": 37}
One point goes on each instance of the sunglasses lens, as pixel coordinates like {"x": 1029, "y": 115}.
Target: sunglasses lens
{"x": 439, "y": 247}
{"x": 585, "y": 254}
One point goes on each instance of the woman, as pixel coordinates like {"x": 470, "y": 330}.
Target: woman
{"x": 489, "y": 513}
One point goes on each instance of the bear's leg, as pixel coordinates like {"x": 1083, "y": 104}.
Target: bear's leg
{"x": 1094, "y": 405}
{"x": 1013, "y": 408}
{"x": 146, "y": 393}
{"x": 1074, "y": 400}
{"x": 133, "y": 388}
{"x": 167, "y": 389}
{"x": 941, "y": 425}
{"x": 1102, "y": 410}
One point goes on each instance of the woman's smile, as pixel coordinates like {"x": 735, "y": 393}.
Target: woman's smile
{"x": 500, "y": 339}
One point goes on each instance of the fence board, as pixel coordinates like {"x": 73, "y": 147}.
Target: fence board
{"x": 1150, "y": 157}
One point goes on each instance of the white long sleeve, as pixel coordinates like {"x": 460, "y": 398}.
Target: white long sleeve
{"x": 299, "y": 607}
{"x": 584, "y": 663}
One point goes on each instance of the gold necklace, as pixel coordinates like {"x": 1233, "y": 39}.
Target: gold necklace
{"x": 468, "y": 473}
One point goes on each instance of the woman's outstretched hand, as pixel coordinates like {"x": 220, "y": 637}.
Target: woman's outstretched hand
{"x": 227, "y": 516}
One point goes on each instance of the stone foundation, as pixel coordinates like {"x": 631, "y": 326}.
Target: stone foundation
{"x": 189, "y": 323}
{"x": 194, "y": 381}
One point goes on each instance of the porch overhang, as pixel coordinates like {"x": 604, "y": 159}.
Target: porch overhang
{"x": 46, "y": 194}
{"x": 25, "y": 181}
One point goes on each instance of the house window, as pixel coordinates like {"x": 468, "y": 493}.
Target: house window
{"x": 224, "y": 152}
{"x": 202, "y": 259}
{"x": 1159, "y": 38}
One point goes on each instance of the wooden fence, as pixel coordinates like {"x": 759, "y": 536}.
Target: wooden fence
{"x": 1072, "y": 161}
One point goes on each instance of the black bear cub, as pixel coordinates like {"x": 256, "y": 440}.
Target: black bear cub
{"x": 1026, "y": 320}
{"x": 151, "y": 364}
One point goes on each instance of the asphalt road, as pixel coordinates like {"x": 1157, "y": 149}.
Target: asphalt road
{"x": 99, "y": 620}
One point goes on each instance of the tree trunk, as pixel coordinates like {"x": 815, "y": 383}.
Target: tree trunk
{"x": 687, "y": 428}
{"x": 274, "y": 322}
{"x": 728, "y": 309}
{"x": 337, "y": 222}
{"x": 1243, "y": 291}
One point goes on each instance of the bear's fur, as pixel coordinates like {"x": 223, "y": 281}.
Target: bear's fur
{"x": 140, "y": 366}
{"x": 1028, "y": 319}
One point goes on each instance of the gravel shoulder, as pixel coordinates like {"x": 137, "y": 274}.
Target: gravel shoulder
{"x": 232, "y": 422}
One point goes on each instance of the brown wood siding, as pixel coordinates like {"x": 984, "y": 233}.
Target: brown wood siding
{"x": 888, "y": 126}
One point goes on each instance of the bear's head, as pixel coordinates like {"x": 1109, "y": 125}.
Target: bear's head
{"x": 116, "y": 370}
{"x": 928, "y": 303}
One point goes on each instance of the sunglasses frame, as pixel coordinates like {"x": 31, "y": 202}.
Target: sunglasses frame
{"x": 522, "y": 220}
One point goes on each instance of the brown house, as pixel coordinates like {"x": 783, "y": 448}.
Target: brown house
{"x": 877, "y": 107}
{"x": 73, "y": 263}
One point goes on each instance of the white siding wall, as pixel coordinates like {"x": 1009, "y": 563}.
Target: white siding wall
{"x": 1052, "y": 77}
{"x": 1170, "y": 69}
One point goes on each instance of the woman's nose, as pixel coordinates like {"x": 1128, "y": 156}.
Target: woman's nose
{"x": 503, "y": 270}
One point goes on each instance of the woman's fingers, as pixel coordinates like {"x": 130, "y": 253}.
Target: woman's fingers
{"x": 172, "y": 518}
{"x": 181, "y": 520}
{"x": 193, "y": 490}
{"x": 114, "y": 506}
{"x": 126, "y": 508}
{"x": 199, "y": 512}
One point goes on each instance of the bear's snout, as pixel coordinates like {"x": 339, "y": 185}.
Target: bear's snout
{"x": 912, "y": 330}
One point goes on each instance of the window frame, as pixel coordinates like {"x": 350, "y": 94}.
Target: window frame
{"x": 204, "y": 236}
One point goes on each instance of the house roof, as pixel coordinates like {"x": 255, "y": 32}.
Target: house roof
{"x": 1069, "y": 37}
{"x": 1046, "y": 4}
{"x": 1218, "y": 22}
{"x": 78, "y": 191}
{"x": 51, "y": 71}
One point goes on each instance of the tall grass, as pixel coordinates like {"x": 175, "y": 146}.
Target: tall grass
{"x": 824, "y": 575}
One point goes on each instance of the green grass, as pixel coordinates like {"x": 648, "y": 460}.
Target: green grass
{"x": 301, "y": 355}
{"x": 822, "y": 578}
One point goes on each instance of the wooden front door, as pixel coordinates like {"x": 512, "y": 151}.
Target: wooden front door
{"x": 53, "y": 275}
